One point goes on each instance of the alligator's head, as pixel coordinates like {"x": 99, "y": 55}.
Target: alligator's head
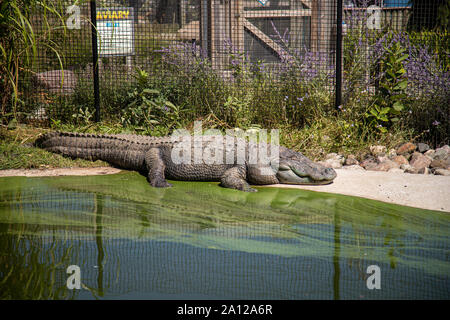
{"x": 292, "y": 171}
{"x": 295, "y": 168}
{"x": 291, "y": 167}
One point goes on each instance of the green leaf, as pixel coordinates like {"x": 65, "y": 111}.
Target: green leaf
{"x": 401, "y": 85}
{"x": 401, "y": 71}
{"x": 373, "y": 112}
{"x": 398, "y": 106}
{"x": 151, "y": 91}
{"x": 405, "y": 56}
{"x": 170, "y": 105}
{"x": 385, "y": 110}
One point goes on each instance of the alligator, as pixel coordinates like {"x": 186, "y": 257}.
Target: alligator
{"x": 166, "y": 157}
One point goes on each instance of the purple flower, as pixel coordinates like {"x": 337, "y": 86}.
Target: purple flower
{"x": 436, "y": 123}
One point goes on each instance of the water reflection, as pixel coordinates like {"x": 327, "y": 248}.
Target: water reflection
{"x": 201, "y": 241}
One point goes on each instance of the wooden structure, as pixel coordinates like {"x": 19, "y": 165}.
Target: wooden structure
{"x": 311, "y": 25}
{"x": 241, "y": 22}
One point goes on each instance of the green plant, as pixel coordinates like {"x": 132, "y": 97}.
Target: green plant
{"x": 83, "y": 116}
{"x": 238, "y": 111}
{"x": 149, "y": 108}
{"x": 18, "y": 47}
{"x": 389, "y": 101}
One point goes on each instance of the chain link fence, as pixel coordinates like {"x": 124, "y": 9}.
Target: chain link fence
{"x": 244, "y": 61}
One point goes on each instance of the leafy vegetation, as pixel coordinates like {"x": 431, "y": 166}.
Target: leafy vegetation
{"x": 395, "y": 87}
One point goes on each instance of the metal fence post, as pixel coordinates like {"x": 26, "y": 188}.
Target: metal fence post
{"x": 95, "y": 60}
{"x": 338, "y": 88}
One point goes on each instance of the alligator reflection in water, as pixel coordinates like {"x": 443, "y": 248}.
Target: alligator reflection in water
{"x": 198, "y": 240}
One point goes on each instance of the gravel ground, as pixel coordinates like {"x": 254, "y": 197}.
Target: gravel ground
{"x": 414, "y": 190}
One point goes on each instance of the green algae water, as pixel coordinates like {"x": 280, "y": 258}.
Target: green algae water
{"x": 200, "y": 241}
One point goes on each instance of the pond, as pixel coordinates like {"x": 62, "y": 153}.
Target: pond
{"x": 200, "y": 241}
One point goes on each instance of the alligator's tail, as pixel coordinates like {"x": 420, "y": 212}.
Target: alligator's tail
{"x": 116, "y": 150}
{"x": 74, "y": 145}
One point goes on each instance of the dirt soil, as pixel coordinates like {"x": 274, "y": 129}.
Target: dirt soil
{"x": 414, "y": 190}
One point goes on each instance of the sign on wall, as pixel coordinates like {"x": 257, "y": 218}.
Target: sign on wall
{"x": 115, "y": 31}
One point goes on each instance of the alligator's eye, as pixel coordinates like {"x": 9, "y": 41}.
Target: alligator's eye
{"x": 284, "y": 167}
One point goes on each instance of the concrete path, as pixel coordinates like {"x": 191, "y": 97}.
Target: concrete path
{"x": 414, "y": 190}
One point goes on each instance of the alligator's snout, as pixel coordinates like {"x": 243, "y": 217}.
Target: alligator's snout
{"x": 330, "y": 174}
{"x": 304, "y": 172}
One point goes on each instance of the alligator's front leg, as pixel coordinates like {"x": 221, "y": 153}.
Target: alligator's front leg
{"x": 155, "y": 166}
{"x": 235, "y": 178}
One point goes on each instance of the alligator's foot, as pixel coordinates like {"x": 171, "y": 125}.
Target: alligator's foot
{"x": 158, "y": 183}
{"x": 234, "y": 178}
{"x": 156, "y": 167}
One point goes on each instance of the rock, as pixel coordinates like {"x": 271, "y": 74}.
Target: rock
{"x": 335, "y": 156}
{"x": 369, "y": 162}
{"x": 395, "y": 170}
{"x": 430, "y": 153}
{"x": 424, "y": 170}
{"x": 442, "y": 172}
{"x": 51, "y": 80}
{"x": 423, "y": 147}
{"x": 377, "y": 150}
{"x": 440, "y": 154}
{"x": 406, "y": 148}
{"x": 446, "y": 148}
{"x": 351, "y": 160}
{"x": 333, "y": 160}
{"x": 382, "y": 158}
{"x": 408, "y": 168}
{"x": 400, "y": 160}
{"x": 353, "y": 167}
{"x": 392, "y": 154}
{"x": 441, "y": 164}
{"x": 419, "y": 161}
{"x": 386, "y": 165}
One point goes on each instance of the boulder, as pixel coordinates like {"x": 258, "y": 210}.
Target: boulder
{"x": 368, "y": 163}
{"x": 56, "y": 81}
{"x": 406, "y": 148}
{"x": 440, "y": 154}
{"x": 441, "y": 164}
{"x": 420, "y": 161}
{"x": 424, "y": 170}
{"x": 353, "y": 167}
{"x": 333, "y": 160}
{"x": 396, "y": 170}
{"x": 423, "y": 147}
{"x": 392, "y": 154}
{"x": 377, "y": 150}
{"x": 442, "y": 172}
{"x": 408, "y": 168}
{"x": 386, "y": 165}
{"x": 430, "y": 153}
{"x": 351, "y": 160}
{"x": 400, "y": 160}
{"x": 446, "y": 148}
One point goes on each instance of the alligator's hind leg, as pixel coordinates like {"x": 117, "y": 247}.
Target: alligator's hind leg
{"x": 155, "y": 166}
{"x": 234, "y": 178}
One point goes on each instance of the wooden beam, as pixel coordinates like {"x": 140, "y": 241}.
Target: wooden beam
{"x": 277, "y": 13}
{"x": 237, "y": 24}
{"x": 307, "y": 3}
{"x": 264, "y": 38}
{"x": 315, "y": 26}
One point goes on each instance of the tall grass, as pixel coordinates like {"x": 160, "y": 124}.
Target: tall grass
{"x": 18, "y": 47}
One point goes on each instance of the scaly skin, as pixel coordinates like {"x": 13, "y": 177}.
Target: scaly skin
{"x": 154, "y": 156}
